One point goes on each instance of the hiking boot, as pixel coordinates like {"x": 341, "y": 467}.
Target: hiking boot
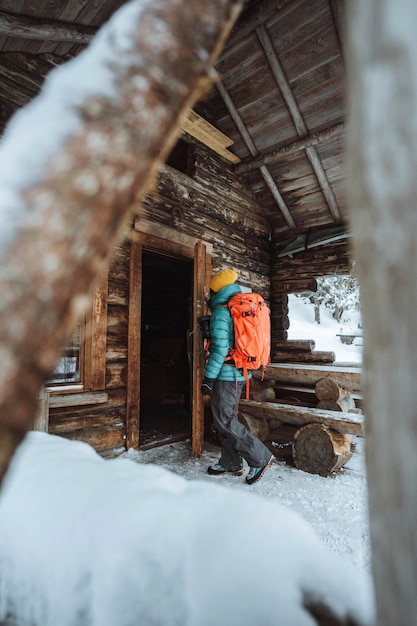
{"x": 256, "y": 473}
{"x": 219, "y": 470}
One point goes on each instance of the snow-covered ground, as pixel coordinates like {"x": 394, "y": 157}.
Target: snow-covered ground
{"x": 303, "y": 326}
{"x": 152, "y": 539}
{"x": 336, "y": 507}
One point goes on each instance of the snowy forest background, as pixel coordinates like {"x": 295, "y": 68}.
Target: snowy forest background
{"x": 334, "y": 308}
{"x": 338, "y": 294}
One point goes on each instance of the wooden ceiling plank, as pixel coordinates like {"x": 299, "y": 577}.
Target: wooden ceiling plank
{"x": 195, "y": 120}
{"x": 94, "y": 14}
{"x": 206, "y": 139}
{"x": 281, "y": 80}
{"x": 338, "y": 11}
{"x": 260, "y": 13}
{"x": 254, "y": 152}
{"x": 209, "y": 135}
{"x": 299, "y": 123}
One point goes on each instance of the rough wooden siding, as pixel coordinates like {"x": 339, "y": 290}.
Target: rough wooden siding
{"x": 290, "y": 275}
{"x": 213, "y": 204}
{"x": 103, "y": 425}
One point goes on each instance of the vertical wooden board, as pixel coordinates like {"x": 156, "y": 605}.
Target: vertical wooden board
{"x": 41, "y": 422}
{"x": 95, "y": 337}
{"x": 133, "y": 353}
{"x": 199, "y": 282}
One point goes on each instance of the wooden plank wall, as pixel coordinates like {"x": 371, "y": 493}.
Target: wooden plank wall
{"x": 102, "y": 425}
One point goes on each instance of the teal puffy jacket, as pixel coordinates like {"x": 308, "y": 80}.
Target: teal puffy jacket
{"x": 221, "y": 336}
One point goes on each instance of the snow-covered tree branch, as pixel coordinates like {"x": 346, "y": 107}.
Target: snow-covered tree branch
{"x": 71, "y": 164}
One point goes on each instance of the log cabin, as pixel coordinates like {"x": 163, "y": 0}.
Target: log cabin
{"x": 256, "y": 181}
{"x": 275, "y": 206}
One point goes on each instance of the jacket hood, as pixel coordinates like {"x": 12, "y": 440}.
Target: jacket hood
{"x": 224, "y": 295}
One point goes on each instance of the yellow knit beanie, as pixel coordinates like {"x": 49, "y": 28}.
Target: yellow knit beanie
{"x": 222, "y": 279}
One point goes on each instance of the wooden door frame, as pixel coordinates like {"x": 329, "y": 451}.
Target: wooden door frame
{"x": 200, "y": 254}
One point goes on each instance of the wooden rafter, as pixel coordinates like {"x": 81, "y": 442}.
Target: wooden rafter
{"x": 299, "y": 123}
{"x": 254, "y": 152}
{"x": 285, "y": 151}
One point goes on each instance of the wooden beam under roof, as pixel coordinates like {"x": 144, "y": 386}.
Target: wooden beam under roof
{"x": 254, "y": 152}
{"x": 268, "y": 158}
{"x": 299, "y": 123}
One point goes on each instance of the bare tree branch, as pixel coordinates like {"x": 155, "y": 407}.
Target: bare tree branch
{"x": 71, "y": 164}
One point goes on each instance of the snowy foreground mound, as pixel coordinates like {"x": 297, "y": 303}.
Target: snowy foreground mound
{"x": 86, "y": 541}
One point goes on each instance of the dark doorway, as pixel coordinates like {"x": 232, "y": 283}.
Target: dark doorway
{"x": 166, "y": 321}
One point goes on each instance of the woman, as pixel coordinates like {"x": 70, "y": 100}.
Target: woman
{"x": 224, "y": 383}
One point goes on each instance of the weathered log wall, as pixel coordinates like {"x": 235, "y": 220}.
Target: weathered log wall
{"x": 103, "y": 425}
{"x": 211, "y": 203}
{"x": 297, "y": 274}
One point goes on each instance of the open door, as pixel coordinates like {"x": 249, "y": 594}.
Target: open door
{"x": 165, "y": 349}
{"x": 202, "y": 267}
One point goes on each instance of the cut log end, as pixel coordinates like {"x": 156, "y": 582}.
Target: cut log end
{"x": 257, "y": 425}
{"x": 320, "y": 450}
{"x": 329, "y": 389}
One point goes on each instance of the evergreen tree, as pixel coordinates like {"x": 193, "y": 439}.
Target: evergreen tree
{"x": 339, "y": 293}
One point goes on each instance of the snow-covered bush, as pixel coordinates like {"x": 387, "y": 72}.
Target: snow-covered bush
{"x": 339, "y": 293}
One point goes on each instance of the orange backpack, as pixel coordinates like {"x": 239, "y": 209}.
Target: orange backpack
{"x": 252, "y": 327}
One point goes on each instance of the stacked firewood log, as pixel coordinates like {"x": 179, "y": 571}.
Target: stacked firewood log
{"x": 299, "y": 351}
{"x": 316, "y": 440}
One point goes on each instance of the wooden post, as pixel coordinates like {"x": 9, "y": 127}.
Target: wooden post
{"x": 197, "y": 372}
{"x": 133, "y": 352}
{"x": 96, "y": 337}
{"x": 41, "y": 422}
{"x": 382, "y": 192}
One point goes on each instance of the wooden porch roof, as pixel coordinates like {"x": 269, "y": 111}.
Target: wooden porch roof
{"x": 279, "y": 100}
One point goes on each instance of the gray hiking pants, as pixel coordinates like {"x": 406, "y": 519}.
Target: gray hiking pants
{"x": 238, "y": 442}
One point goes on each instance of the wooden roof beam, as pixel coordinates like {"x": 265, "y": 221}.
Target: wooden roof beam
{"x": 207, "y": 134}
{"x": 299, "y": 123}
{"x": 51, "y": 30}
{"x": 338, "y": 11}
{"x": 290, "y": 149}
{"x": 254, "y": 152}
